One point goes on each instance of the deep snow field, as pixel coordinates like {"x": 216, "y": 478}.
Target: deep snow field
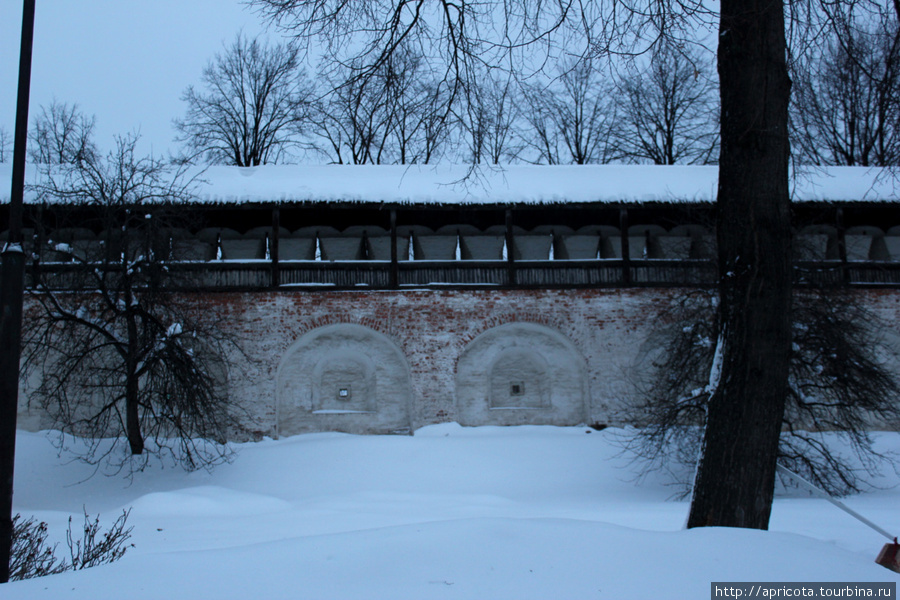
{"x": 450, "y": 512}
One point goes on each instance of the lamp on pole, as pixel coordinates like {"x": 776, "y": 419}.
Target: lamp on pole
{"x": 12, "y": 279}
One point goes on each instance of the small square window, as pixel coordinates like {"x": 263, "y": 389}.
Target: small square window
{"x": 517, "y": 389}
{"x": 343, "y": 393}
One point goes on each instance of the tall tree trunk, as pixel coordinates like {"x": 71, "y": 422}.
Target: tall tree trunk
{"x": 736, "y": 474}
{"x": 132, "y": 417}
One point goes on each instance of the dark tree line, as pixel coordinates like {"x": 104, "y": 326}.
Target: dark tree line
{"x": 658, "y": 108}
{"x": 404, "y": 111}
{"x": 258, "y": 105}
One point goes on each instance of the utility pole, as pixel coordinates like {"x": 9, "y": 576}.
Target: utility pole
{"x": 12, "y": 283}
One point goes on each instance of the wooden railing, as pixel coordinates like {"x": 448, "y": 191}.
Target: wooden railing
{"x": 312, "y": 275}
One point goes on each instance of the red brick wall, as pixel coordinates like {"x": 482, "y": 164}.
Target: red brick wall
{"x": 609, "y": 327}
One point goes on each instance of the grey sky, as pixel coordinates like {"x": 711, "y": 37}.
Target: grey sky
{"x": 124, "y": 61}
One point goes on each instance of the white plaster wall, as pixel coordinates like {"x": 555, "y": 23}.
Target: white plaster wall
{"x": 547, "y": 366}
{"x": 343, "y": 377}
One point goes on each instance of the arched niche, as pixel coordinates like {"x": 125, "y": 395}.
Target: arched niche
{"x": 343, "y": 377}
{"x": 344, "y": 382}
{"x": 521, "y": 373}
{"x": 518, "y": 379}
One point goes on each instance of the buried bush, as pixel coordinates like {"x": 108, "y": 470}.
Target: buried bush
{"x": 32, "y": 556}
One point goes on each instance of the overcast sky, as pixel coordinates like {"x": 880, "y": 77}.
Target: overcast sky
{"x": 124, "y": 61}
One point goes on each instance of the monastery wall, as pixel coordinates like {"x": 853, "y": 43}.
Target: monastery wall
{"x": 394, "y": 361}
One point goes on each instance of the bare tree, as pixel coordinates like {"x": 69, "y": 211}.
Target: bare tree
{"x": 584, "y": 115}
{"x": 542, "y": 135}
{"x": 839, "y": 386}
{"x": 666, "y": 109}
{"x": 355, "y": 121}
{"x": 254, "y": 102}
{"x": 61, "y": 135}
{"x": 736, "y": 474}
{"x": 406, "y": 102}
{"x": 573, "y": 118}
{"x": 846, "y": 104}
{"x": 115, "y": 352}
{"x": 490, "y": 120}
{"x": 436, "y": 126}
{"x": 398, "y": 115}
{"x": 413, "y": 100}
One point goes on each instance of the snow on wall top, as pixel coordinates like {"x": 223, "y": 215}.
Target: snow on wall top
{"x": 458, "y": 184}
{"x": 521, "y": 184}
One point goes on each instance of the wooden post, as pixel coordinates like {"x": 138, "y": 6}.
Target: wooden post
{"x": 273, "y": 245}
{"x": 511, "y": 278}
{"x": 394, "y": 279}
{"x": 842, "y": 244}
{"x": 626, "y": 251}
{"x": 12, "y": 283}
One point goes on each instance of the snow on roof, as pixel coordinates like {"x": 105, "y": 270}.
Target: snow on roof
{"x": 520, "y": 184}
{"x": 460, "y": 184}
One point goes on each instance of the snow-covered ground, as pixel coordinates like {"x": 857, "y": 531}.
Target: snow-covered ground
{"x": 450, "y": 512}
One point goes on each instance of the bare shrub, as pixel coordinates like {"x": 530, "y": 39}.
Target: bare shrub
{"x": 98, "y": 547}
{"x": 32, "y": 556}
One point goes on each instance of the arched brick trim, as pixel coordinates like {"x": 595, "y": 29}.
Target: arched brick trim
{"x": 339, "y": 319}
{"x": 506, "y": 318}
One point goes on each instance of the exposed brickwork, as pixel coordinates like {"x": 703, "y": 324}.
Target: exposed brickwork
{"x": 609, "y": 327}
{"x": 433, "y": 327}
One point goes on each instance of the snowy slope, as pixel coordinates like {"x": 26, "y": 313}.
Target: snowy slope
{"x": 451, "y": 512}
